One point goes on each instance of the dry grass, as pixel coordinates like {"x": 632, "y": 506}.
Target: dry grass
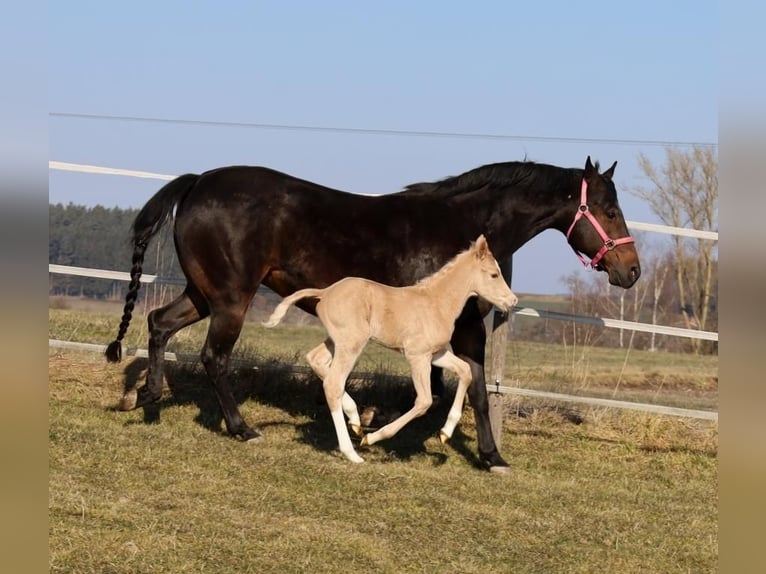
{"x": 619, "y": 492}
{"x": 663, "y": 378}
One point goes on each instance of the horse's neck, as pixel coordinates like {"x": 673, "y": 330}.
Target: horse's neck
{"x": 513, "y": 216}
{"x": 450, "y": 288}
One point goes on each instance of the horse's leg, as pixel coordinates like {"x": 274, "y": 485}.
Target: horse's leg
{"x": 225, "y": 326}
{"x": 320, "y": 359}
{"x": 421, "y": 370}
{"x": 437, "y": 384}
{"x": 449, "y": 361}
{"x": 468, "y": 342}
{"x": 163, "y": 323}
{"x": 334, "y": 383}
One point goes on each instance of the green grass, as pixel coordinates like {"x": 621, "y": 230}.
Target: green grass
{"x": 165, "y": 490}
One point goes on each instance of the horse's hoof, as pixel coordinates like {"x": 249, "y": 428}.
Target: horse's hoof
{"x": 364, "y": 442}
{"x": 247, "y": 435}
{"x": 502, "y": 470}
{"x": 356, "y": 429}
{"x": 129, "y": 400}
{"x": 443, "y": 437}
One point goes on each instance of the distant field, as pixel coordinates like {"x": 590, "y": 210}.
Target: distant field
{"x": 671, "y": 379}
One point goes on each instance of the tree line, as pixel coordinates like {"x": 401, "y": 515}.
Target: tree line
{"x": 99, "y": 238}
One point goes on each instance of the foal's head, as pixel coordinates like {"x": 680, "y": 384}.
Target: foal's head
{"x": 488, "y": 282}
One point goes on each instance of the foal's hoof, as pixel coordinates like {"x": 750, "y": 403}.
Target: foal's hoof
{"x": 364, "y": 442}
{"x": 353, "y": 457}
{"x": 129, "y": 400}
{"x": 356, "y": 429}
{"x": 502, "y": 470}
{"x": 443, "y": 437}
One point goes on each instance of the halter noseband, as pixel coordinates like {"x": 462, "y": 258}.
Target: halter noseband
{"x": 609, "y": 244}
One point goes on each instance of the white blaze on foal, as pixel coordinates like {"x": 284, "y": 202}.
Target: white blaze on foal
{"x": 417, "y": 320}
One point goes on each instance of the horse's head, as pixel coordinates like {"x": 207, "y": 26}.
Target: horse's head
{"x": 488, "y": 281}
{"x": 597, "y": 228}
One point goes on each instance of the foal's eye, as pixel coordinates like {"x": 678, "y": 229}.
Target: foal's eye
{"x": 494, "y": 276}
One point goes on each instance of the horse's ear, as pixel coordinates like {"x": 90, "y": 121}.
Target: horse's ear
{"x": 588, "y": 168}
{"x": 608, "y": 174}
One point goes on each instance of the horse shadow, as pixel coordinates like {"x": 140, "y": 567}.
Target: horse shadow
{"x": 299, "y": 394}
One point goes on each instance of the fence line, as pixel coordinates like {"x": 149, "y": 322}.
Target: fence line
{"x": 633, "y": 225}
{"x": 502, "y": 389}
{"x": 526, "y": 311}
{"x": 104, "y": 274}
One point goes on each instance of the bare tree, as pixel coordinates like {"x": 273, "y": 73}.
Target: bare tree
{"x": 684, "y": 193}
{"x": 659, "y": 273}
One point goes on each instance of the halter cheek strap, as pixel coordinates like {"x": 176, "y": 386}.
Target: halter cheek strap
{"x": 608, "y": 245}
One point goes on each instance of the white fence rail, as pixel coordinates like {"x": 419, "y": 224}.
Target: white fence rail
{"x": 526, "y": 311}
{"x": 84, "y": 168}
{"x": 500, "y": 389}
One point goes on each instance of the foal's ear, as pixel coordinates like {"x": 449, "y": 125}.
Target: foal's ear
{"x": 610, "y": 172}
{"x": 480, "y": 247}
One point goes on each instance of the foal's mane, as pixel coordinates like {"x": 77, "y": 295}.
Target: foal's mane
{"x": 520, "y": 174}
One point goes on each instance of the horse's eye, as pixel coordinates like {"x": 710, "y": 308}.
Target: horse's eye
{"x": 612, "y": 214}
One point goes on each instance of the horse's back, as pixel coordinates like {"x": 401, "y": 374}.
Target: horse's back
{"x": 244, "y": 182}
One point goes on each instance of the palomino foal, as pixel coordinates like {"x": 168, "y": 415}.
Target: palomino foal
{"x": 417, "y": 320}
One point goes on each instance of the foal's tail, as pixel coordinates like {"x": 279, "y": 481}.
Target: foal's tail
{"x": 281, "y": 309}
{"x": 148, "y": 222}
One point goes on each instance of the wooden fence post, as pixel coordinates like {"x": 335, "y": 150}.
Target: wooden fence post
{"x": 498, "y": 343}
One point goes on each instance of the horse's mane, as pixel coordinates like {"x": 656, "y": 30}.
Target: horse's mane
{"x": 524, "y": 174}
{"x": 443, "y": 270}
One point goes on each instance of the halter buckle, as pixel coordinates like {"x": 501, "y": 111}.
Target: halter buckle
{"x": 609, "y": 244}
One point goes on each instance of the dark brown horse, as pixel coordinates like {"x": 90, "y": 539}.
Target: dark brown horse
{"x": 239, "y": 227}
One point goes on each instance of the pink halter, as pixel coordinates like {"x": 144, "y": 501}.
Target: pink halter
{"x": 609, "y": 244}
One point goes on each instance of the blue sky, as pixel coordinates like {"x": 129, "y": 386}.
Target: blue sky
{"x": 604, "y": 71}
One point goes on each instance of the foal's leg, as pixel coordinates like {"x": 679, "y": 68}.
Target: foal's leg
{"x": 421, "y": 371}
{"x": 343, "y": 361}
{"x": 163, "y": 322}
{"x": 320, "y": 359}
{"x": 449, "y": 361}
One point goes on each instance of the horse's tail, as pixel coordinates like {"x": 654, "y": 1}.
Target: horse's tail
{"x": 148, "y": 222}
{"x": 281, "y": 309}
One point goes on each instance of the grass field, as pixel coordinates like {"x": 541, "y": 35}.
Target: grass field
{"x": 165, "y": 490}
